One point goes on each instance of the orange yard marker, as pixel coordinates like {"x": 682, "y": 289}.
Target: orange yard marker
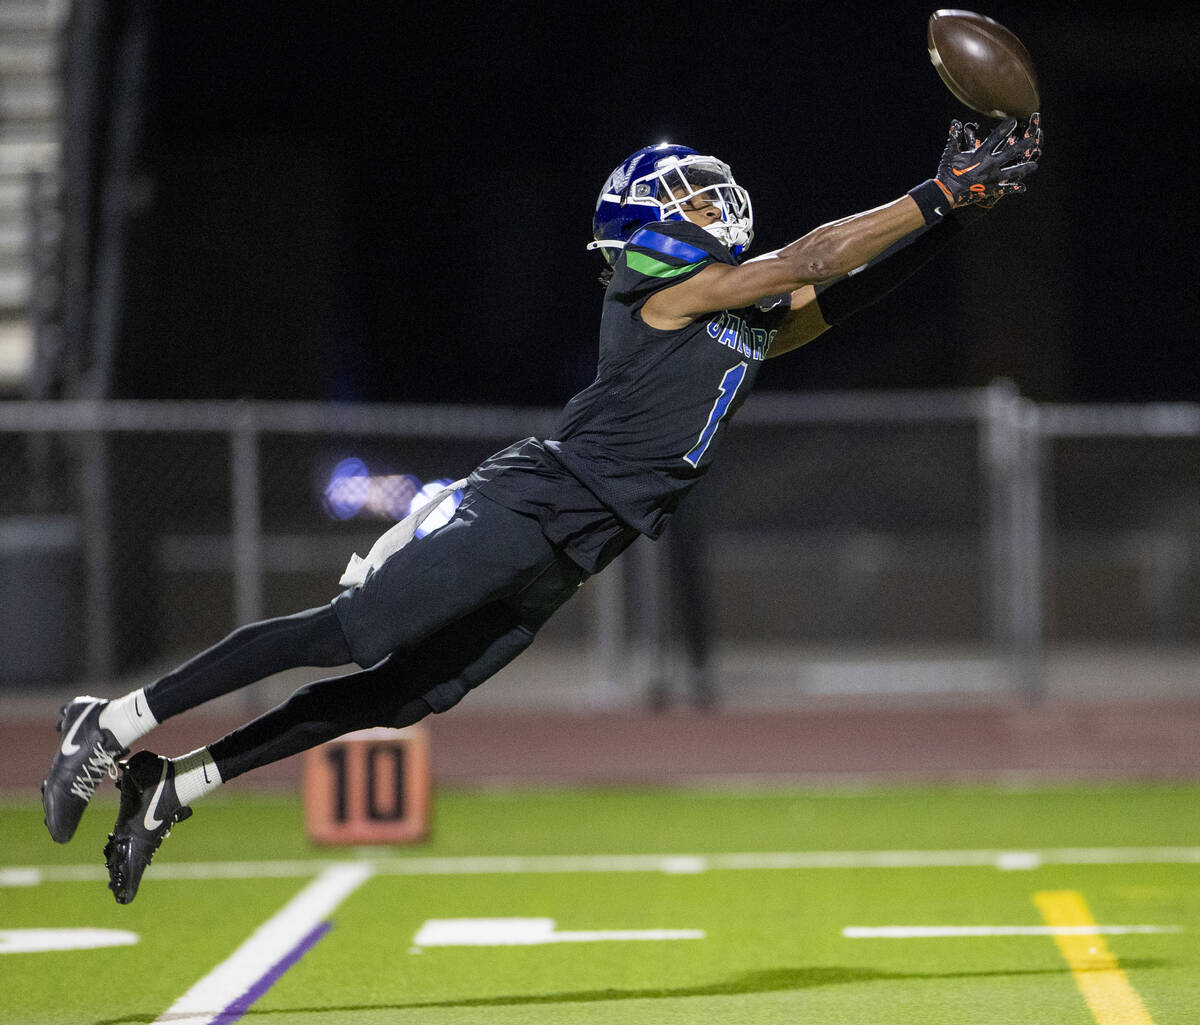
{"x": 369, "y": 787}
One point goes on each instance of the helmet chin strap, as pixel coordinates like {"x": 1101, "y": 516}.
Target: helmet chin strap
{"x": 733, "y": 234}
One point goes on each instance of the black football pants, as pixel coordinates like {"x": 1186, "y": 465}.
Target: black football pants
{"x": 438, "y": 618}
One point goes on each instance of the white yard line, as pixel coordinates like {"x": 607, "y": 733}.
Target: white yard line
{"x": 528, "y": 932}
{"x": 270, "y": 943}
{"x": 31, "y": 941}
{"x": 671, "y": 864}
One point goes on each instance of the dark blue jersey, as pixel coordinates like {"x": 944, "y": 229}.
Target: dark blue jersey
{"x": 645, "y": 430}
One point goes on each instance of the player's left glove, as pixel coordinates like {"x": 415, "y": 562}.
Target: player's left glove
{"x": 983, "y": 172}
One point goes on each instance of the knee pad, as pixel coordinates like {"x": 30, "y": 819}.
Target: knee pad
{"x": 496, "y": 656}
{"x": 408, "y": 713}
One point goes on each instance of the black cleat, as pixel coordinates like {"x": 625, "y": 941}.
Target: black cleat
{"x": 149, "y": 808}
{"x": 85, "y": 756}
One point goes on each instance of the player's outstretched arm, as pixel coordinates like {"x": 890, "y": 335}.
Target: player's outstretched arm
{"x": 824, "y": 253}
{"x": 969, "y": 172}
{"x": 814, "y": 309}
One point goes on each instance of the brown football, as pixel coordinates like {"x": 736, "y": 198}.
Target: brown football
{"x": 983, "y": 64}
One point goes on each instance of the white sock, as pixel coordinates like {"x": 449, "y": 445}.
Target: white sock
{"x": 196, "y": 774}
{"x": 128, "y": 718}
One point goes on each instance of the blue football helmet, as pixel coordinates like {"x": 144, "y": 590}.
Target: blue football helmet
{"x": 655, "y": 183}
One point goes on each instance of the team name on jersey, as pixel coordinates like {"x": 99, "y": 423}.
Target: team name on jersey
{"x": 731, "y": 330}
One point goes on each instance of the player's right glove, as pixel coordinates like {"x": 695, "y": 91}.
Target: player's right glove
{"x": 983, "y": 172}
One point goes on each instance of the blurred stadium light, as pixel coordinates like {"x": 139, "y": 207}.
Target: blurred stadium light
{"x": 851, "y": 543}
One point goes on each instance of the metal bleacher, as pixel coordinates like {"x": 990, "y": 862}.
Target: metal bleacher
{"x": 30, "y": 106}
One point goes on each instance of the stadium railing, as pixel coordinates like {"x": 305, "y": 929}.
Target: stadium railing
{"x": 865, "y": 544}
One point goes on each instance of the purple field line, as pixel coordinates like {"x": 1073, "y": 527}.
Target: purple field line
{"x": 236, "y": 1010}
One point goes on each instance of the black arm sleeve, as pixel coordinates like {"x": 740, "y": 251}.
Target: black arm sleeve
{"x": 868, "y": 284}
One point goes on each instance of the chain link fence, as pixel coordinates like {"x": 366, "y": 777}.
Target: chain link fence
{"x": 1122, "y": 514}
{"x": 945, "y": 542}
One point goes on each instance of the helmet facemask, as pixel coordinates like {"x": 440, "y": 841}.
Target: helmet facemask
{"x": 679, "y": 184}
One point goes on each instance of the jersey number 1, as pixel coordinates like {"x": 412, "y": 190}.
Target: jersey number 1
{"x": 729, "y": 386}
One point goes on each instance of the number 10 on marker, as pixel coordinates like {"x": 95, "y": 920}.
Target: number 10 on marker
{"x": 369, "y": 787}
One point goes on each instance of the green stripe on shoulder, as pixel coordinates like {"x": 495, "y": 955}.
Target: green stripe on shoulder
{"x": 653, "y": 268}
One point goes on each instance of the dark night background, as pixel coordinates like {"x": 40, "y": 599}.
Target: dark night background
{"x": 349, "y": 202}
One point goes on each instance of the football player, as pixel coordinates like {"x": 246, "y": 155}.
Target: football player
{"x": 685, "y": 326}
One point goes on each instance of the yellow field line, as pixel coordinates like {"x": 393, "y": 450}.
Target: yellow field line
{"x": 1105, "y": 987}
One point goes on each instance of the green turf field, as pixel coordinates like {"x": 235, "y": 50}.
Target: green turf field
{"x": 654, "y": 906}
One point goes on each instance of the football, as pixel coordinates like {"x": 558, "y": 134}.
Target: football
{"x": 983, "y": 64}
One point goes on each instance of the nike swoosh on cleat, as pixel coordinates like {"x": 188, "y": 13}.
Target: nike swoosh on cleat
{"x": 136, "y": 711}
{"x": 959, "y": 172}
{"x": 150, "y": 821}
{"x": 69, "y": 747}
{"x": 205, "y": 768}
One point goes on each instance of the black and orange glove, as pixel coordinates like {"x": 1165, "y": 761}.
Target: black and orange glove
{"x": 984, "y": 172}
